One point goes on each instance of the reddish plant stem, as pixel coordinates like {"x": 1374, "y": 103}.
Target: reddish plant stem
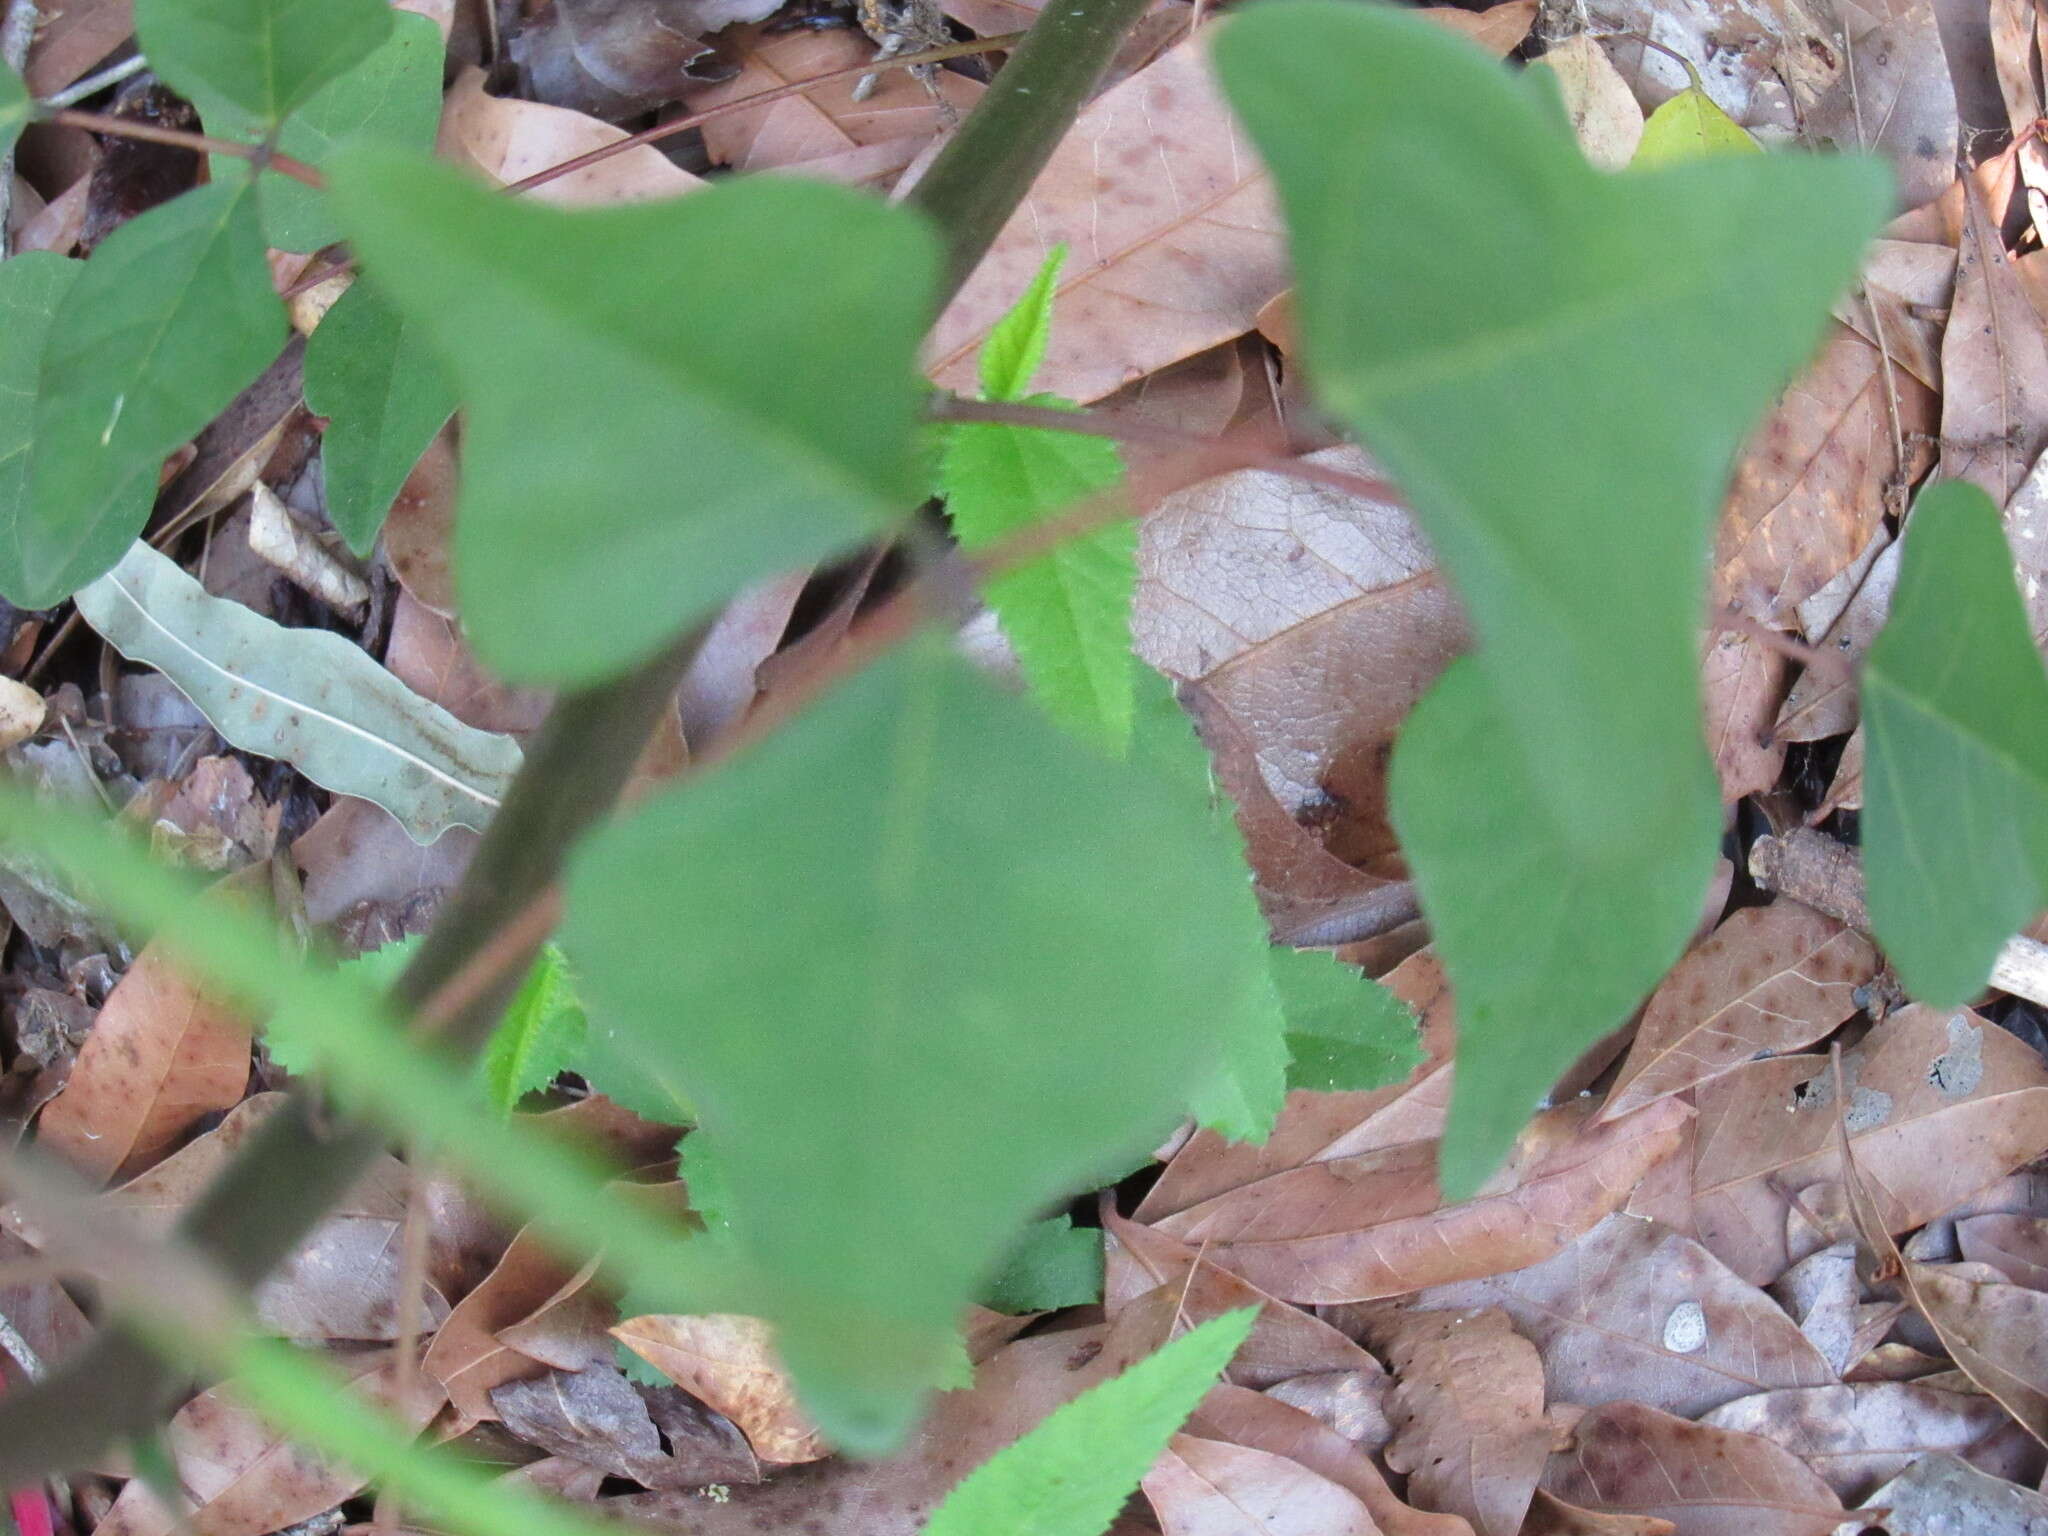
{"x": 263, "y": 157}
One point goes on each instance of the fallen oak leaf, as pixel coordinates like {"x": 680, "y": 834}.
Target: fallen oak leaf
{"x": 729, "y": 1362}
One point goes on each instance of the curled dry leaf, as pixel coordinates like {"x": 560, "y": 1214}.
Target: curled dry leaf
{"x": 467, "y": 1357}
{"x": 1857, "y": 1436}
{"x": 1631, "y": 1310}
{"x": 243, "y": 1477}
{"x": 508, "y": 139}
{"x": 1355, "y": 1229}
{"x": 1770, "y": 979}
{"x": 1211, "y": 1488}
{"x": 730, "y": 1363}
{"x": 1941, "y": 1105}
{"x": 1632, "y": 1460}
{"x": 162, "y": 1053}
{"x": 1174, "y": 237}
{"x": 1260, "y": 1422}
{"x": 1467, "y": 1408}
{"x": 599, "y": 1418}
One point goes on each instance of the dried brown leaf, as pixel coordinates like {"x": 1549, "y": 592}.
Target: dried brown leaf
{"x": 1355, "y": 1229}
{"x": 615, "y": 58}
{"x": 1770, "y": 979}
{"x": 1467, "y": 1408}
{"x": 1211, "y": 1488}
{"x": 1604, "y": 114}
{"x": 597, "y": 1417}
{"x": 508, "y": 139}
{"x": 1939, "y": 1495}
{"x": 1824, "y": 703}
{"x": 467, "y": 1357}
{"x": 1551, "y": 1516}
{"x": 729, "y": 1362}
{"x": 2017, "y": 1245}
{"x": 429, "y": 655}
{"x": 1994, "y": 363}
{"x": 1997, "y": 1334}
{"x": 1632, "y": 1460}
{"x": 1174, "y": 236}
{"x": 1742, "y": 682}
{"x": 1499, "y": 29}
{"x": 1941, "y": 1105}
{"x": 162, "y": 1054}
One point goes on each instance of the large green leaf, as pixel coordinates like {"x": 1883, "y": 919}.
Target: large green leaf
{"x": 370, "y": 371}
{"x": 171, "y": 317}
{"x": 1558, "y": 366}
{"x": 1071, "y": 1474}
{"x": 268, "y": 57}
{"x": 695, "y": 392}
{"x": 923, "y": 963}
{"x": 1955, "y": 715}
{"x": 1344, "y": 1032}
{"x": 16, "y": 107}
{"x": 392, "y": 98}
{"x": 32, "y": 286}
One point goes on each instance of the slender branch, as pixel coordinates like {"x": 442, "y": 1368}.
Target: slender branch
{"x": 263, "y": 157}
{"x": 92, "y": 85}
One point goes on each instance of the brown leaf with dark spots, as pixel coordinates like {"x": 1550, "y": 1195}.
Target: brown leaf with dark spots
{"x": 598, "y": 1417}
{"x": 1994, "y": 366}
{"x": 1632, "y": 1460}
{"x": 1859, "y": 1435}
{"x": 1770, "y": 979}
{"x": 1355, "y": 1229}
{"x": 1941, "y": 1105}
{"x": 162, "y": 1054}
{"x": 1631, "y": 1310}
{"x": 730, "y": 1363}
{"x": 246, "y": 1479}
{"x": 1210, "y": 1488}
{"x": 1467, "y": 1408}
{"x": 1742, "y": 684}
{"x": 1810, "y": 487}
{"x": 1174, "y": 233}
{"x": 1261, "y": 1422}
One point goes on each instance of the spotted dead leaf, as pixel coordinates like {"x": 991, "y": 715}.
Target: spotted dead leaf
{"x": 1940, "y": 1106}
{"x": 1633, "y": 1310}
{"x": 508, "y": 139}
{"x": 1857, "y": 1436}
{"x": 1211, "y": 1488}
{"x": 824, "y": 131}
{"x": 1811, "y": 486}
{"x": 1172, "y": 229}
{"x": 162, "y": 1053}
{"x": 1359, "y": 1228}
{"x": 243, "y": 1478}
{"x": 730, "y": 1363}
{"x": 1467, "y": 1408}
{"x": 1742, "y": 684}
{"x": 1769, "y": 979}
{"x": 1632, "y": 1460}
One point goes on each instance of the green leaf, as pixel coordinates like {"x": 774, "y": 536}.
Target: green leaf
{"x": 539, "y": 1036}
{"x": 173, "y": 315}
{"x": 1955, "y": 716}
{"x": 17, "y": 107}
{"x": 391, "y": 98}
{"x": 268, "y": 57}
{"x": 1071, "y": 1474}
{"x": 307, "y": 697}
{"x": 1056, "y": 1265}
{"x": 999, "y": 963}
{"x": 284, "y": 1036}
{"x": 730, "y": 389}
{"x": 1565, "y": 438}
{"x": 1690, "y": 125}
{"x": 1343, "y": 1032}
{"x": 385, "y": 392}
{"x": 1016, "y": 343}
{"x": 1068, "y": 613}
{"x": 32, "y": 287}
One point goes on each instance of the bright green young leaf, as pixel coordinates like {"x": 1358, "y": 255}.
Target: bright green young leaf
{"x": 370, "y": 371}
{"x": 1344, "y": 1032}
{"x": 1558, "y": 366}
{"x": 172, "y": 316}
{"x": 729, "y": 388}
{"x": 996, "y": 963}
{"x": 1068, "y": 613}
{"x": 1016, "y": 343}
{"x": 391, "y": 98}
{"x": 1690, "y": 125}
{"x": 1071, "y": 1474}
{"x": 284, "y": 1035}
{"x": 32, "y": 286}
{"x": 539, "y": 1036}
{"x": 16, "y": 107}
{"x": 1056, "y": 1265}
{"x": 268, "y": 57}
{"x": 1955, "y": 712}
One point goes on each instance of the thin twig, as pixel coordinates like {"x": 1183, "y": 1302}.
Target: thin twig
{"x": 16, "y": 33}
{"x": 92, "y": 85}
{"x": 263, "y": 157}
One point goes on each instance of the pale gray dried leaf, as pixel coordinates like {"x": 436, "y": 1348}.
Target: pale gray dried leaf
{"x": 305, "y": 696}
{"x": 597, "y": 1416}
{"x": 1823, "y": 703}
{"x": 1632, "y": 1310}
{"x": 1942, "y": 1496}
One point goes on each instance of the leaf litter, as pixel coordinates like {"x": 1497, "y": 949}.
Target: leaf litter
{"x": 1537, "y": 1358}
